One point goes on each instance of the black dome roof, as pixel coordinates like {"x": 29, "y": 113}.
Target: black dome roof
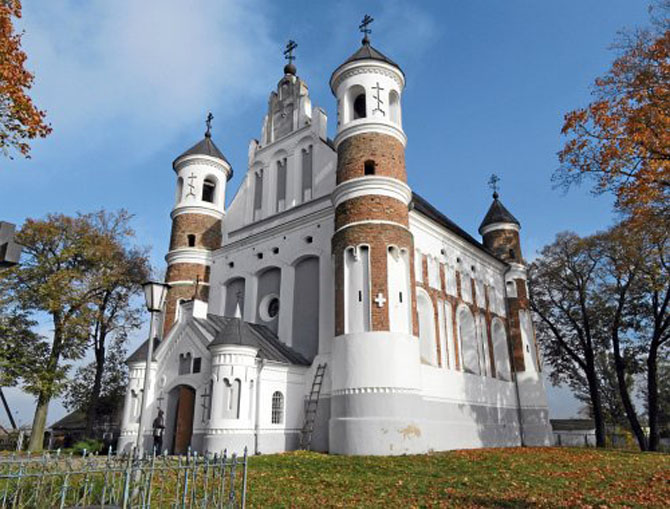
{"x": 498, "y": 214}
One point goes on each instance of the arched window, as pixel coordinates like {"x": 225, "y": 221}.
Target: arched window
{"x": 394, "y": 106}
{"x": 180, "y": 188}
{"x": 359, "y": 106}
{"x": 467, "y": 338}
{"x": 427, "y": 342}
{"x": 369, "y": 167}
{"x": 277, "y": 408}
{"x": 500, "y": 350}
{"x": 208, "y": 190}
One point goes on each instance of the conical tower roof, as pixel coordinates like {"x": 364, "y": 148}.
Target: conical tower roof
{"x": 205, "y": 147}
{"x": 498, "y": 214}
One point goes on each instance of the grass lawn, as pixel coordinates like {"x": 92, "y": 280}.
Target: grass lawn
{"x": 534, "y": 477}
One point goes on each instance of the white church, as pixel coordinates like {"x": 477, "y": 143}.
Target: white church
{"x": 329, "y": 306}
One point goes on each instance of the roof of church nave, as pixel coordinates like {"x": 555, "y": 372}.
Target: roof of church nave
{"x": 224, "y": 330}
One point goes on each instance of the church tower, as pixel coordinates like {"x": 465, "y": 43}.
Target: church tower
{"x": 202, "y": 173}
{"x": 372, "y": 247}
{"x": 500, "y": 234}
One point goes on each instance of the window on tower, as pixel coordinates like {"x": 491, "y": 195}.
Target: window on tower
{"x": 208, "y": 188}
{"x": 191, "y": 240}
{"x": 369, "y": 167}
{"x": 359, "y": 106}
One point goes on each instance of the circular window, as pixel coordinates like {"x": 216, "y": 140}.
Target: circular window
{"x": 269, "y": 307}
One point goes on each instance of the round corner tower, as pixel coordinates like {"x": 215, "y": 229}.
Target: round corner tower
{"x": 375, "y": 349}
{"x": 202, "y": 173}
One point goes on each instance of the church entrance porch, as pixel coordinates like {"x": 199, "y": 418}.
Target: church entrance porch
{"x": 181, "y": 406}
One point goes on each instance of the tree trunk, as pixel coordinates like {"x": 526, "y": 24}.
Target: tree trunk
{"x": 36, "y": 443}
{"x": 625, "y": 396}
{"x": 92, "y": 410}
{"x": 652, "y": 396}
{"x": 597, "y": 407}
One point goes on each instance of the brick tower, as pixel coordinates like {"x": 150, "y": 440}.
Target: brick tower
{"x": 375, "y": 349}
{"x": 202, "y": 173}
{"x": 500, "y": 234}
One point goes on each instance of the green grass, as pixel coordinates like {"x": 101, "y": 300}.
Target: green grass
{"x": 533, "y": 477}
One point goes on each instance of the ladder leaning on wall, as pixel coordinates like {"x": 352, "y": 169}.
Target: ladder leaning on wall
{"x": 310, "y": 408}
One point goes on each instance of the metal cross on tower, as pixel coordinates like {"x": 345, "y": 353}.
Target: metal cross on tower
{"x": 288, "y": 52}
{"x": 363, "y": 27}
{"x": 208, "y": 123}
{"x": 378, "y": 99}
{"x": 493, "y": 184}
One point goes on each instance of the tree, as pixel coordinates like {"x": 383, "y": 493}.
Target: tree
{"x": 77, "y": 396}
{"x": 621, "y": 140}
{"x": 20, "y": 120}
{"x": 563, "y": 296}
{"x": 120, "y": 277}
{"x": 60, "y": 277}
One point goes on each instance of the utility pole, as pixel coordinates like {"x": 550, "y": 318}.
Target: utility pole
{"x": 10, "y": 252}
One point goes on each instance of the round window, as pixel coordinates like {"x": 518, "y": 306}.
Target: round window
{"x": 269, "y": 307}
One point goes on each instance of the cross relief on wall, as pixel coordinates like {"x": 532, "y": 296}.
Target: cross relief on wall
{"x": 380, "y": 300}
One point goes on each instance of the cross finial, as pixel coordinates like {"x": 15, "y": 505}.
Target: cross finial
{"x": 493, "y": 184}
{"x": 288, "y": 52}
{"x": 363, "y": 27}
{"x": 208, "y": 123}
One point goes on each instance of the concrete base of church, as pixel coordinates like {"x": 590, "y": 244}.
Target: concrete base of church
{"x": 267, "y": 441}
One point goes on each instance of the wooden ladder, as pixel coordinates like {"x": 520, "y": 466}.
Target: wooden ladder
{"x": 310, "y": 408}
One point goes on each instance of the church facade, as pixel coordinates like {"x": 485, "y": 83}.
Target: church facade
{"x": 326, "y": 258}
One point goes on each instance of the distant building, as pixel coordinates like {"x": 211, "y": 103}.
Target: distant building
{"x": 326, "y": 256}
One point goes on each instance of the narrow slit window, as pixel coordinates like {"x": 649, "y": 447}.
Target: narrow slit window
{"x": 369, "y": 168}
{"x": 400, "y": 297}
{"x": 191, "y": 240}
{"x": 360, "y": 296}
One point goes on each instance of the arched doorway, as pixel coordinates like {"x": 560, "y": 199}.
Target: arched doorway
{"x": 181, "y": 405}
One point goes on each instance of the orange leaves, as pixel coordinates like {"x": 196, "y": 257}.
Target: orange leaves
{"x": 20, "y": 119}
{"x": 622, "y": 139}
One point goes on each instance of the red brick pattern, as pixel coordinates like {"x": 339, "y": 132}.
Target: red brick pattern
{"x": 371, "y": 207}
{"x": 505, "y": 244}
{"x": 207, "y": 231}
{"x": 386, "y": 151}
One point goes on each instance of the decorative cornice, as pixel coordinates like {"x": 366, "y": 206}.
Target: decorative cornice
{"x": 363, "y": 67}
{"x": 374, "y": 390}
{"x": 203, "y": 160}
{"x": 378, "y": 186}
{"x": 189, "y": 255}
{"x": 204, "y": 210}
{"x": 499, "y": 226}
{"x": 373, "y": 221}
{"x": 367, "y": 125}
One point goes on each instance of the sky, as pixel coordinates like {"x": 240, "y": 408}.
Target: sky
{"x": 127, "y": 86}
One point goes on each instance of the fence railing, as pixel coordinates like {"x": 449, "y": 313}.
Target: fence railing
{"x": 55, "y": 480}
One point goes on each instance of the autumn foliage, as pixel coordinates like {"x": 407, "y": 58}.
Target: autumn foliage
{"x": 20, "y": 119}
{"x": 622, "y": 139}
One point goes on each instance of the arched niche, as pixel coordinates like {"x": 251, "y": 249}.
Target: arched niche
{"x": 467, "y": 338}
{"x": 394, "y": 107}
{"x": 355, "y": 106}
{"x": 209, "y": 189}
{"x": 357, "y": 289}
{"x": 269, "y": 284}
{"x": 399, "y": 298}
{"x": 427, "y": 339}
{"x": 180, "y": 189}
{"x": 235, "y": 289}
{"x": 306, "y": 307}
{"x": 500, "y": 350}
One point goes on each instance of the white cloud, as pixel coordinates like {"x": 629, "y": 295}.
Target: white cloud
{"x": 143, "y": 68}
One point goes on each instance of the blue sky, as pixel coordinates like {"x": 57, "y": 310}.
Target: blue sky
{"x": 127, "y": 86}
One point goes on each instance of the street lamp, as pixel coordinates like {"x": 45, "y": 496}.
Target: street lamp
{"x": 154, "y": 295}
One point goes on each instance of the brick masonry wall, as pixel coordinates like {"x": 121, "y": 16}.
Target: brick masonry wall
{"x": 440, "y": 294}
{"x": 207, "y": 231}
{"x": 191, "y": 272}
{"x": 371, "y": 207}
{"x": 500, "y": 242}
{"x": 386, "y": 151}
{"x": 379, "y": 238}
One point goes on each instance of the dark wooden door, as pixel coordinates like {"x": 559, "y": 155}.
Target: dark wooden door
{"x": 184, "y": 420}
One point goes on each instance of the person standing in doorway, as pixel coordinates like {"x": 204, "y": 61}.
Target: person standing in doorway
{"x": 159, "y": 428}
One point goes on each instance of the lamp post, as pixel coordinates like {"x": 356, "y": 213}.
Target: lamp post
{"x": 154, "y": 294}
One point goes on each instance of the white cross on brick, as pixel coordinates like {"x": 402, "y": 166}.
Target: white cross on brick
{"x": 380, "y": 300}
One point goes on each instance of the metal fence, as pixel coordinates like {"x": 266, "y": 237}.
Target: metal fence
{"x": 56, "y": 480}
{"x": 588, "y": 439}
